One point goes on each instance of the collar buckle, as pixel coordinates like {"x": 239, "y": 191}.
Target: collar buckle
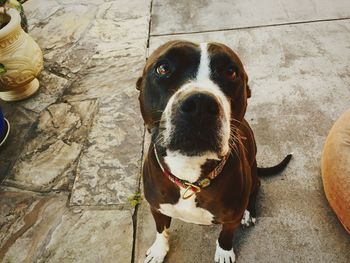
{"x": 194, "y": 189}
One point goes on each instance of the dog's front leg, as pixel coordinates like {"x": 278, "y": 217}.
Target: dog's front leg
{"x": 157, "y": 252}
{"x": 224, "y": 247}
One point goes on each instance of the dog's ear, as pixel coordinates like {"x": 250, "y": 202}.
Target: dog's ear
{"x": 249, "y": 92}
{"x": 138, "y": 83}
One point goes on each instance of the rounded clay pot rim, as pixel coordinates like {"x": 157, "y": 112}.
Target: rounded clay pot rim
{"x": 15, "y": 20}
{"x": 7, "y": 132}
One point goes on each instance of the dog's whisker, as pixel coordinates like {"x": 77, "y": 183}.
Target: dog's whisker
{"x": 159, "y": 139}
{"x": 156, "y": 111}
{"x": 235, "y": 140}
{"x": 233, "y": 119}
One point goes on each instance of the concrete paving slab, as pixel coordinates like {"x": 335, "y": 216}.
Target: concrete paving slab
{"x": 171, "y": 17}
{"x": 109, "y": 170}
{"x": 300, "y": 80}
{"x": 118, "y": 36}
{"x": 41, "y": 228}
{"x": 26, "y": 222}
{"x": 91, "y": 236}
{"x": 58, "y": 28}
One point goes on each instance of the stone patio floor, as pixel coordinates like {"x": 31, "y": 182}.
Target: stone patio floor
{"x": 72, "y": 163}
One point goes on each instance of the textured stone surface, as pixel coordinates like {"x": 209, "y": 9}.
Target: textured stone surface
{"x": 119, "y": 37}
{"x": 88, "y": 44}
{"x": 51, "y": 88}
{"x": 40, "y": 228}
{"x": 22, "y": 116}
{"x": 109, "y": 169}
{"x": 26, "y": 222}
{"x": 21, "y": 122}
{"x": 49, "y": 158}
{"x": 193, "y": 16}
{"x": 91, "y": 236}
{"x": 66, "y": 24}
{"x": 300, "y": 83}
{"x": 45, "y": 168}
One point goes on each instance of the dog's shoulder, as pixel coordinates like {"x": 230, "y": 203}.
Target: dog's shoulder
{"x": 157, "y": 188}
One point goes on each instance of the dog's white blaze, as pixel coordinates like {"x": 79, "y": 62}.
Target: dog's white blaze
{"x": 204, "y": 67}
{"x": 157, "y": 252}
{"x": 203, "y": 77}
{"x": 186, "y": 210}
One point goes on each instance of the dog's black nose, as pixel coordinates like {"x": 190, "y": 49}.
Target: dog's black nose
{"x": 199, "y": 104}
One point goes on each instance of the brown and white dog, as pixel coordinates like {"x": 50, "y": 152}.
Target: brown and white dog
{"x": 201, "y": 165}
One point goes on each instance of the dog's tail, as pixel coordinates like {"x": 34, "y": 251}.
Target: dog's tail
{"x": 275, "y": 169}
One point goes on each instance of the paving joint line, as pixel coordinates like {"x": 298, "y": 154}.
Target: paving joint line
{"x": 251, "y": 27}
{"x": 118, "y": 207}
{"x": 134, "y": 216}
{"x": 33, "y": 191}
{"x": 149, "y": 24}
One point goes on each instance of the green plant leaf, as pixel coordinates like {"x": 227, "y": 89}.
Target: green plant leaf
{"x": 135, "y": 199}
{"x": 2, "y": 69}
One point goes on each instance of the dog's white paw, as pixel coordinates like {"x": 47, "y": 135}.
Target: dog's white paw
{"x": 224, "y": 256}
{"x": 157, "y": 252}
{"x": 247, "y": 220}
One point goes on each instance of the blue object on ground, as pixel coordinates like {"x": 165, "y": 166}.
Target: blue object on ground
{"x": 4, "y": 128}
{"x": 2, "y": 125}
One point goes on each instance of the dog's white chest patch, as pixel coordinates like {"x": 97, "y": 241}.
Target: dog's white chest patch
{"x": 186, "y": 210}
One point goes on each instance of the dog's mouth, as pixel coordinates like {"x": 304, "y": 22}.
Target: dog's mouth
{"x": 194, "y": 137}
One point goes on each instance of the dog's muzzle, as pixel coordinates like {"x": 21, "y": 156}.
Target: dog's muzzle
{"x": 196, "y": 124}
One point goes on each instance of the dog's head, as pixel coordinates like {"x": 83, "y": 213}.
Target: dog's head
{"x": 192, "y": 95}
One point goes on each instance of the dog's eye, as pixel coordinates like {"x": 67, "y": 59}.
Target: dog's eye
{"x": 163, "y": 69}
{"x": 231, "y": 73}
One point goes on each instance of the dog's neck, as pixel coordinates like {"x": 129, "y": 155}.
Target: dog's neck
{"x": 187, "y": 168}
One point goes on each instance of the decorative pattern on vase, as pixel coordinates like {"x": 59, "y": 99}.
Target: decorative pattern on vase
{"x": 6, "y": 42}
{"x": 22, "y": 70}
{"x": 23, "y": 61}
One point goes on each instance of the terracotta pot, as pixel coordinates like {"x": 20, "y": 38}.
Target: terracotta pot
{"x": 335, "y": 164}
{"x": 22, "y": 58}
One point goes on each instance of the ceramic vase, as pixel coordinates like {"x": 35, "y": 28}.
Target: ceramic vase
{"x": 21, "y": 58}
